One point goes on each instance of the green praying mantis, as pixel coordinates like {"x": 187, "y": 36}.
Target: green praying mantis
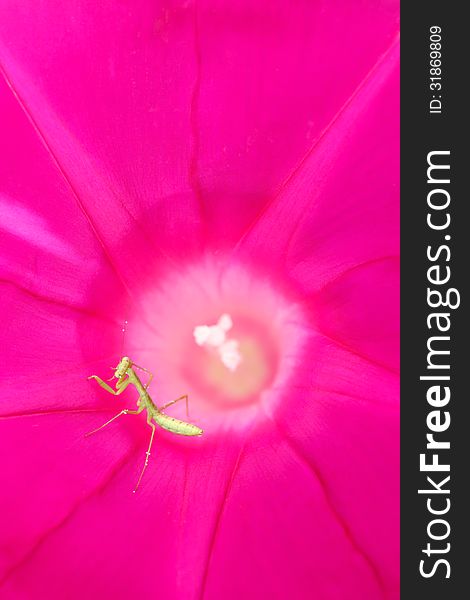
{"x": 126, "y": 375}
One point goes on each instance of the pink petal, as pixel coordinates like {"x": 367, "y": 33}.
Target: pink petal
{"x": 56, "y": 281}
{"x": 49, "y": 350}
{"x": 114, "y": 111}
{"x": 340, "y": 208}
{"x": 272, "y": 77}
{"x": 141, "y": 133}
{"x": 134, "y": 102}
{"x": 48, "y": 247}
{"x": 279, "y": 535}
{"x": 108, "y": 529}
{"x": 337, "y": 369}
{"x": 360, "y": 309}
{"x": 341, "y": 416}
{"x": 51, "y": 469}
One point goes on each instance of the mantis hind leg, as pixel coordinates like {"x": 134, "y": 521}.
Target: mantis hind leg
{"x": 147, "y": 454}
{"x": 126, "y": 411}
{"x": 185, "y": 397}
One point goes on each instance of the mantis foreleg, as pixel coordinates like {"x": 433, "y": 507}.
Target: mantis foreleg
{"x": 108, "y": 388}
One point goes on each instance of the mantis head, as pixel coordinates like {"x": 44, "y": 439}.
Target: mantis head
{"x": 122, "y": 367}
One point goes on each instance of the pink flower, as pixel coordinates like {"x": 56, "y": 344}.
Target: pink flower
{"x": 163, "y": 165}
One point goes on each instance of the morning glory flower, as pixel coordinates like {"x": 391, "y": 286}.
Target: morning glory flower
{"x": 211, "y": 189}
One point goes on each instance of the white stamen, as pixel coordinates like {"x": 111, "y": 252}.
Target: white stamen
{"x": 225, "y": 322}
{"x": 215, "y": 336}
{"x": 230, "y": 354}
{"x": 201, "y": 333}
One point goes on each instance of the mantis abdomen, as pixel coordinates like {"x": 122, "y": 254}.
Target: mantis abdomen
{"x": 175, "y": 425}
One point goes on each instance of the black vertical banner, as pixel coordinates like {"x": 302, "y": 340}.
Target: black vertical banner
{"x": 435, "y": 358}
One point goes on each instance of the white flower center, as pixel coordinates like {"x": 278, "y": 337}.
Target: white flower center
{"x": 219, "y": 333}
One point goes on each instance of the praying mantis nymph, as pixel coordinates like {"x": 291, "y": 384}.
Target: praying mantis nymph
{"x": 126, "y": 375}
